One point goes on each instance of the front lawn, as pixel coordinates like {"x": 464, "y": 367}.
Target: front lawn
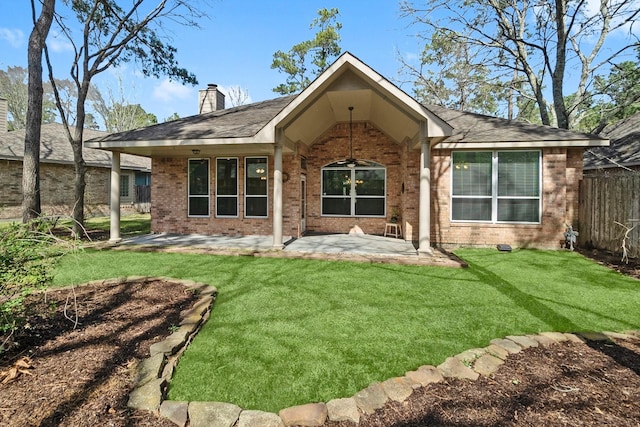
{"x": 285, "y": 331}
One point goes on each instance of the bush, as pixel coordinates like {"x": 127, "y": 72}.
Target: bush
{"x": 27, "y": 256}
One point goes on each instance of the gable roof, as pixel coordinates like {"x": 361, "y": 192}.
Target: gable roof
{"x": 624, "y": 149}
{"x": 471, "y": 130}
{"x": 55, "y": 148}
{"x": 348, "y": 82}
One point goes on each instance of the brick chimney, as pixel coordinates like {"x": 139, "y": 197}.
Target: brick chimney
{"x": 4, "y": 122}
{"x": 210, "y": 99}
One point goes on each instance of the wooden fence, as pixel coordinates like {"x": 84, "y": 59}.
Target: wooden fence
{"x": 605, "y": 200}
{"x": 143, "y": 198}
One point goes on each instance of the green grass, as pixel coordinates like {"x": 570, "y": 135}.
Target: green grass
{"x": 285, "y": 332}
{"x": 130, "y": 225}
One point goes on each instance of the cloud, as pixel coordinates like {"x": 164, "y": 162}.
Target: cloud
{"x": 167, "y": 91}
{"x": 59, "y": 43}
{"x": 14, "y": 37}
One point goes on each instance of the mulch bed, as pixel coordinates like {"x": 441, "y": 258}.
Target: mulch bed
{"x": 82, "y": 376}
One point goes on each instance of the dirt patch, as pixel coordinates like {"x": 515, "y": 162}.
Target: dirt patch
{"x": 82, "y": 376}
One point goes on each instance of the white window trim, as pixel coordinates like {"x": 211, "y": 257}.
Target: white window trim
{"x": 208, "y": 196}
{"x": 248, "y": 196}
{"x": 494, "y": 190}
{"x": 353, "y": 195}
{"x": 237, "y": 195}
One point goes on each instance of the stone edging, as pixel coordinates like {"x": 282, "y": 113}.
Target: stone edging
{"x": 154, "y": 373}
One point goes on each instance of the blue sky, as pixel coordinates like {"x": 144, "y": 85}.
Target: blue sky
{"x": 234, "y": 47}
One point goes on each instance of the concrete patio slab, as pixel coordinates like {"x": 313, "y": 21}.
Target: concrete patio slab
{"x": 360, "y": 247}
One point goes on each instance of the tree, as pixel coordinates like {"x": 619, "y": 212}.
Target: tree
{"x": 540, "y": 40}
{"x": 13, "y": 87}
{"x": 317, "y": 54}
{"x": 237, "y": 96}
{"x": 174, "y": 116}
{"x": 110, "y": 36}
{"x": 31, "y": 208}
{"x": 615, "y": 97}
{"x": 117, "y": 113}
{"x": 451, "y": 76}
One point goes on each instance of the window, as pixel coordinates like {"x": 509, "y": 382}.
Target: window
{"x": 227, "y": 187}
{"x": 256, "y": 186}
{"x": 198, "y": 187}
{"x": 496, "y": 186}
{"x": 358, "y": 191}
{"x": 124, "y": 185}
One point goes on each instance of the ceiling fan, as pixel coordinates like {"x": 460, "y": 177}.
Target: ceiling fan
{"x": 351, "y": 162}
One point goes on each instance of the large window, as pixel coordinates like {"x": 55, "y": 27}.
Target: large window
{"x": 358, "y": 191}
{"x": 227, "y": 187}
{"x": 256, "y": 187}
{"x": 496, "y": 186}
{"x": 198, "y": 187}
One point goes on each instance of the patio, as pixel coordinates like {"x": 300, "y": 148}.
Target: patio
{"x": 358, "y": 247}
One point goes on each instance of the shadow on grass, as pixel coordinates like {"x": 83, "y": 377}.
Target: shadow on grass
{"x": 525, "y": 301}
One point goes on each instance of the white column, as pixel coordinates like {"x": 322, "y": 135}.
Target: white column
{"x": 277, "y": 197}
{"x": 424, "y": 226}
{"x": 114, "y": 199}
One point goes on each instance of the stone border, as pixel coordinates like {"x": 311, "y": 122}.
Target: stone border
{"x": 154, "y": 374}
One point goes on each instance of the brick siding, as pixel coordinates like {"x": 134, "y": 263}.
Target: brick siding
{"x": 562, "y": 170}
{"x": 56, "y": 189}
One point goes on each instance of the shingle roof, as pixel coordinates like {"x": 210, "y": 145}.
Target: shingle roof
{"x": 472, "y": 127}
{"x": 55, "y": 148}
{"x": 624, "y": 149}
{"x": 245, "y": 121}
{"x": 238, "y": 122}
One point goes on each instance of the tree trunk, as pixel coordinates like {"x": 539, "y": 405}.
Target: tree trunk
{"x": 31, "y": 207}
{"x": 79, "y": 184}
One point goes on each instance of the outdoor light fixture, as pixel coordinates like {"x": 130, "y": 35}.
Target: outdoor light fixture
{"x": 195, "y": 151}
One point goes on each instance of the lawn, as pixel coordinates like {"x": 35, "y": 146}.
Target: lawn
{"x": 286, "y": 331}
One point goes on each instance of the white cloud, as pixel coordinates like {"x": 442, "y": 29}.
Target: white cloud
{"x": 167, "y": 91}
{"x": 15, "y": 37}
{"x": 59, "y": 43}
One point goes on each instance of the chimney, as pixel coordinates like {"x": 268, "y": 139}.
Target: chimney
{"x": 4, "y": 122}
{"x": 210, "y": 99}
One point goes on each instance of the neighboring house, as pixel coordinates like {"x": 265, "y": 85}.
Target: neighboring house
{"x": 57, "y": 172}
{"x": 623, "y": 154}
{"x": 312, "y": 163}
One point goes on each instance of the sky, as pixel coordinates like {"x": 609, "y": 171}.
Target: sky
{"x": 234, "y": 47}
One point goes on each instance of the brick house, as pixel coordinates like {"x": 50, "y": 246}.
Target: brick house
{"x": 57, "y": 172}
{"x": 353, "y": 149}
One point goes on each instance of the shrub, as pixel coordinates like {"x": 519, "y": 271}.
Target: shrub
{"x": 27, "y": 255}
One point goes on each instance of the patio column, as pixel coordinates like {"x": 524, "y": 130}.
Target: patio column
{"x": 424, "y": 226}
{"x": 114, "y": 199}
{"x": 277, "y": 197}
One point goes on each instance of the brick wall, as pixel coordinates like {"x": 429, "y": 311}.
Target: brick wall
{"x": 561, "y": 171}
{"x": 368, "y": 144}
{"x": 169, "y": 194}
{"x": 56, "y": 188}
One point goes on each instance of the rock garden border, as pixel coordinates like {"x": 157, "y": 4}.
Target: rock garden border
{"x": 154, "y": 374}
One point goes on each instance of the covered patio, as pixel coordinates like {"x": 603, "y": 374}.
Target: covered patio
{"x": 348, "y": 247}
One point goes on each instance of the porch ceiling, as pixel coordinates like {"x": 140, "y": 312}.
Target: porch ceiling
{"x": 318, "y": 114}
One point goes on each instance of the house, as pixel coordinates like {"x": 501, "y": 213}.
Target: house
{"x": 57, "y": 172}
{"x": 354, "y": 149}
{"x": 623, "y": 155}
